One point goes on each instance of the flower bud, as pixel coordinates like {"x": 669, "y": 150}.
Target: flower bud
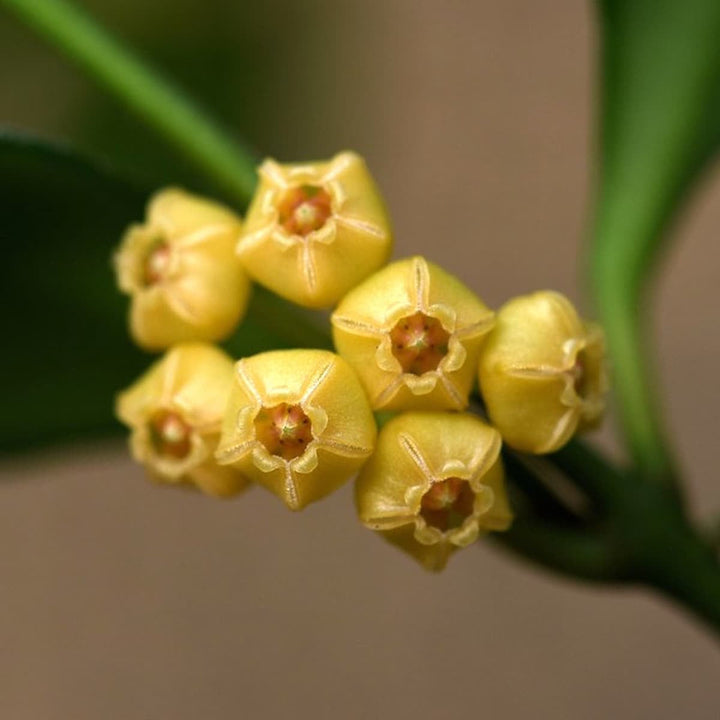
{"x": 314, "y": 231}
{"x": 434, "y": 484}
{"x": 542, "y": 372}
{"x": 175, "y": 414}
{"x": 297, "y": 422}
{"x": 180, "y": 270}
{"x": 413, "y": 334}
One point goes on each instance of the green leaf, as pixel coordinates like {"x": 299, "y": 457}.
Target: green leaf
{"x": 660, "y": 119}
{"x": 65, "y": 350}
{"x": 659, "y": 126}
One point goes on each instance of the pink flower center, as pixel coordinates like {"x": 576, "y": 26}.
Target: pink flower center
{"x": 419, "y": 343}
{"x": 156, "y": 263}
{"x": 447, "y": 504}
{"x": 304, "y": 209}
{"x": 579, "y": 372}
{"x": 285, "y": 430}
{"x": 170, "y": 435}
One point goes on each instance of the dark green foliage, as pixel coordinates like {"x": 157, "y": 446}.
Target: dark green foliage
{"x": 65, "y": 351}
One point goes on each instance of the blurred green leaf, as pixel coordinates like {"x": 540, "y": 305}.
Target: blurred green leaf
{"x": 660, "y": 119}
{"x": 65, "y": 350}
{"x": 659, "y": 126}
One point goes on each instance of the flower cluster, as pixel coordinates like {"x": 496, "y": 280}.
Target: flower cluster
{"x": 410, "y": 339}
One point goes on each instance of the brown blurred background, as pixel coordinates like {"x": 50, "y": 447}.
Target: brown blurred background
{"x": 122, "y": 600}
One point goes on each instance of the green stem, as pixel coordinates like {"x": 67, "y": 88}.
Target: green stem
{"x": 146, "y": 93}
{"x": 689, "y": 574}
{"x": 591, "y": 472}
{"x": 643, "y": 537}
{"x": 579, "y": 553}
{"x": 620, "y": 308}
{"x": 530, "y": 483}
{"x": 662, "y": 550}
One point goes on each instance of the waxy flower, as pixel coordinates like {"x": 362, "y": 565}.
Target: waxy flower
{"x": 175, "y": 413}
{"x": 434, "y": 484}
{"x": 542, "y": 372}
{"x": 413, "y": 334}
{"x": 313, "y": 231}
{"x": 297, "y": 422}
{"x": 181, "y": 272}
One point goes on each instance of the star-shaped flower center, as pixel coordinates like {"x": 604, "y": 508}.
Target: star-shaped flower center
{"x": 285, "y": 430}
{"x": 447, "y": 504}
{"x": 450, "y": 504}
{"x": 419, "y": 342}
{"x": 170, "y": 435}
{"x": 304, "y": 209}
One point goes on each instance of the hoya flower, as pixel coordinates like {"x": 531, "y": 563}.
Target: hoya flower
{"x": 413, "y": 333}
{"x": 542, "y": 372}
{"x": 315, "y": 230}
{"x": 175, "y": 414}
{"x": 434, "y": 484}
{"x": 297, "y": 422}
{"x": 180, "y": 270}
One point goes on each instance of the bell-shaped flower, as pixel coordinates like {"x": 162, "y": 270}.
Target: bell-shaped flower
{"x": 413, "y": 333}
{"x": 297, "y": 422}
{"x": 175, "y": 412}
{"x": 542, "y": 372}
{"x": 180, "y": 270}
{"x": 315, "y": 230}
{"x": 434, "y": 484}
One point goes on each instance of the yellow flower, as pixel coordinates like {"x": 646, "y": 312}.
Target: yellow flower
{"x": 542, "y": 372}
{"x": 413, "y": 333}
{"x": 314, "y": 231}
{"x": 175, "y": 413}
{"x": 181, "y": 272}
{"x": 298, "y": 423}
{"x": 434, "y": 484}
